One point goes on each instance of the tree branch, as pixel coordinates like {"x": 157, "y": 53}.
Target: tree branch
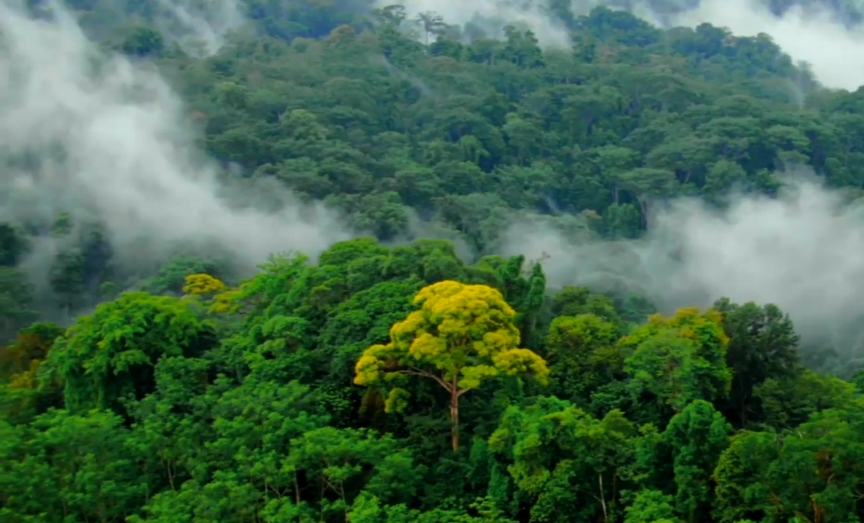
{"x": 424, "y": 374}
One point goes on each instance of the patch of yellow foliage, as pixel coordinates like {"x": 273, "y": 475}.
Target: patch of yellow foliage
{"x": 25, "y": 379}
{"x": 198, "y": 284}
{"x": 460, "y": 336}
{"x": 224, "y": 301}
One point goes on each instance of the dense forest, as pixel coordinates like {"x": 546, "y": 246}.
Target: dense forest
{"x": 417, "y": 372}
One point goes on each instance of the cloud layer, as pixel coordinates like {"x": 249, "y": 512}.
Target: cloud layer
{"x": 199, "y": 28}
{"x": 808, "y": 34}
{"x": 86, "y": 133}
{"x": 812, "y": 35}
{"x": 803, "y": 251}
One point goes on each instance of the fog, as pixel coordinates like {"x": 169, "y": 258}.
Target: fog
{"x": 814, "y": 35}
{"x": 491, "y": 15}
{"x": 99, "y": 136}
{"x": 803, "y": 251}
{"x": 199, "y": 28}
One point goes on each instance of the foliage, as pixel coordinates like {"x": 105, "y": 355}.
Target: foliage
{"x": 462, "y": 336}
{"x": 110, "y": 356}
{"x": 188, "y": 392}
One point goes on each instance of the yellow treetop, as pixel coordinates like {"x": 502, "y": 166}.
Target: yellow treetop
{"x": 198, "y": 284}
{"x": 201, "y": 285}
{"x": 461, "y": 336}
{"x": 465, "y": 332}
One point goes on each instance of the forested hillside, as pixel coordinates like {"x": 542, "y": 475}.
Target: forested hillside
{"x": 422, "y": 372}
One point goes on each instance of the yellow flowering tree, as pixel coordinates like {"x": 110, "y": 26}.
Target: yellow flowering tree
{"x": 461, "y": 336}
{"x": 200, "y": 285}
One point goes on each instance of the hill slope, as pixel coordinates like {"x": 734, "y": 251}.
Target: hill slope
{"x": 479, "y": 229}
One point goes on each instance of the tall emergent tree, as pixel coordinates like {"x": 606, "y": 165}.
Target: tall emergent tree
{"x": 461, "y": 336}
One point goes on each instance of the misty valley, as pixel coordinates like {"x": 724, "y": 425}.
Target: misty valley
{"x": 348, "y": 261}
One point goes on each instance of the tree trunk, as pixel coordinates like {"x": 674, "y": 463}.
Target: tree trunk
{"x": 454, "y": 416}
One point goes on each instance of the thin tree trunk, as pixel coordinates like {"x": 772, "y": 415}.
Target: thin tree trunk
{"x": 454, "y": 415}
{"x": 602, "y": 498}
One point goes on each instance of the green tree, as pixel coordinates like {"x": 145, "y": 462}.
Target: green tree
{"x": 583, "y": 354}
{"x": 651, "y": 506}
{"x": 679, "y": 359}
{"x": 342, "y": 464}
{"x": 65, "y": 466}
{"x": 16, "y": 302}
{"x": 13, "y": 245}
{"x": 812, "y": 472}
{"x": 762, "y": 346}
{"x": 569, "y": 464}
{"x": 143, "y": 41}
{"x": 695, "y": 438}
{"x": 109, "y": 356}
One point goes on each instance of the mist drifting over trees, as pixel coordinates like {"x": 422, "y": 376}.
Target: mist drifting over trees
{"x": 350, "y": 261}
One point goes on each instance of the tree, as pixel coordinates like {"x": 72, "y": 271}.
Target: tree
{"x": 16, "y": 302}
{"x": 110, "y": 355}
{"x": 695, "y": 438}
{"x": 679, "y": 359}
{"x": 583, "y": 353}
{"x": 645, "y": 183}
{"x": 13, "y": 245}
{"x": 651, "y": 506}
{"x": 67, "y": 279}
{"x": 171, "y": 276}
{"x": 462, "y": 336}
{"x": 143, "y": 42}
{"x": 202, "y": 284}
{"x": 813, "y": 473}
{"x": 762, "y": 346}
{"x": 391, "y": 14}
{"x": 84, "y": 465}
{"x": 24, "y": 355}
{"x": 30, "y": 392}
{"x": 432, "y": 24}
{"x": 570, "y": 465}
{"x": 348, "y": 462}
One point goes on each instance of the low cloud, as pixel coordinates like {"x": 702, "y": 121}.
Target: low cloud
{"x": 492, "y": 16}
{"x": 813, "y": 34}
{"x": 802, "y": 250}
{"x": 99, "y": 136}
{"x": 199, "y": 28}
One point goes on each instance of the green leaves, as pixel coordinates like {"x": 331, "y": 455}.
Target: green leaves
{"x": 762, "y": 347}
{"x": 679, "y": 359}
{"x": 109, "y": 356}
{"x": 583, "y": 353}
{"x": 83, "y": 465}
{"x": 16, "y": 302}
{"x": 564, "y": 460}
{"x": 253, "y": 415}
{"x": 811, "y": 471}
